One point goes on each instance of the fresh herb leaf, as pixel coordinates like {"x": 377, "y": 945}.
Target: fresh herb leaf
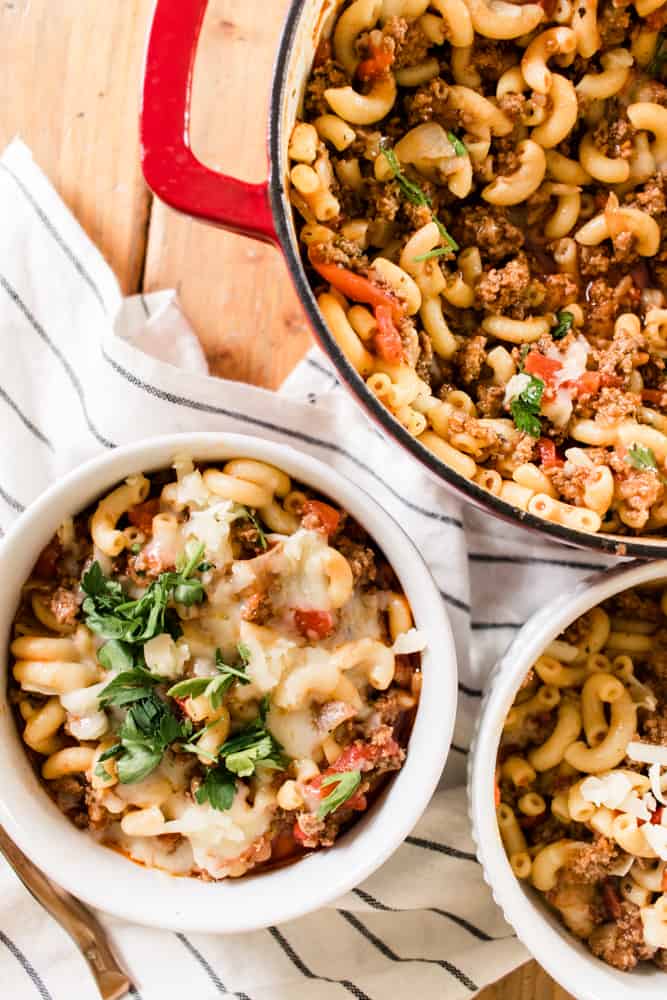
{"x": 251, "y": 747}
{"x": 449, "y": 240}
{"x": 564, "y": 325}
{"x": 643, "y": 458}
{"x": 523, "y": 354}
{"x": 189, "y": 592}
{"x": 190, "y": 557}
{"x": 192, "y": 687}
{"x": 525, "y": 407}
{"x": 261, "y": 536}
{"x": 438, "y": 252}
{"x": 109, "y": 613}
{"x": 127, "y": 687}
{"x": 656, "y": 67}
{"x": 115, "y": 655}
{"x": 148, "y": 729}
{"x": 214, "y": 687}
{"x": 459, "y": 147}
{"x": 217, "y": 788}
{"x": 135, "y": 549}
{"x": 345, "y": 785}
{"x": 415, "y": 195}
{"x": 100, "y": 770}
{"x": 244, "y": 653}
{"x": 412, "y": 191}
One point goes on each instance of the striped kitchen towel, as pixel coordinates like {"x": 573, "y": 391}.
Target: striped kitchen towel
{"x": 84, "y": 371}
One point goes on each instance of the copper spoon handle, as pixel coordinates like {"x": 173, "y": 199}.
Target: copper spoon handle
{"x": 81, "y": 925}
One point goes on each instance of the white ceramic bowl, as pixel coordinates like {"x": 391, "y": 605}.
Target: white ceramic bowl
{"x": 567, "y": 960}
{"x": 109, "y": 881}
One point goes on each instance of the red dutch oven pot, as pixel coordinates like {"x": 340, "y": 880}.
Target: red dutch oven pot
{"x": 263, "y": 211}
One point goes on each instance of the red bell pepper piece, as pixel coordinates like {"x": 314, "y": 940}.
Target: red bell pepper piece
{"x": 356, "y": 287}
{"x": 387, "y": 340}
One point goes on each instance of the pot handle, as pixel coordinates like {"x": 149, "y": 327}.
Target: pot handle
{"x": 171, "y": 169}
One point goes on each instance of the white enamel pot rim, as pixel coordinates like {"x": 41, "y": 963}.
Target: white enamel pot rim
{"x": 564, "y": 958}
{"x": 107, "y": 880}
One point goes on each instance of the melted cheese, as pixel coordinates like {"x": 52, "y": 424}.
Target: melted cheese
{"x": 164, "y": 657}
{"x": 295, "y": 731}
{"x": 211, "y": 526}
{"x": 217, "y": 838}
{"x": 303, "y": 582}
{"x": 269, "y": 655}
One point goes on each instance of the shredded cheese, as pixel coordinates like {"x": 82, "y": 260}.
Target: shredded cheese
{"x": 412, "y": 641}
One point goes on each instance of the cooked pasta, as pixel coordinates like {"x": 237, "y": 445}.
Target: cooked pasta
{"x": 582, "y": 780}
{"x": 223, "y": 670}
{"x": 492, "y": 179}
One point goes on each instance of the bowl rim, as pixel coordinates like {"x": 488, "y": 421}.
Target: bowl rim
{"x": 106, "y": 879}
{"x": 559, "y": 952}
{"x": 466, "y": 489}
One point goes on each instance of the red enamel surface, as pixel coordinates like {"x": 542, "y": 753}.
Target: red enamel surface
{"x": 170, "y": 167}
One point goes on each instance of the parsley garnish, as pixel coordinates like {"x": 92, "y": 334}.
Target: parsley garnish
{"x": 643, "y": 458}
{"x": 346, "y": 784}
{"x": 239, "y": 757}
{"x": 252, "y": 746}
{"x": 217, "y": 788}
{"x": 148, "y": 728}
{"x": 459, "y": 147}
{"x": 657, "y": 64}
{"x": 438, "y": 252}
{"x": 565, "y": 321}
{"x": 261, "y": 537}
{"x": 214, "y": 687}
{"x": 132, "y": 622}
{"x": 415, "y": 195}
{"x": 525, "y": 407}
{"x": 128, "y": 686}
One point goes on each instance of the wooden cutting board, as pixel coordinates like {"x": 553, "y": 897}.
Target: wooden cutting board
{"x": 69, "y": 85}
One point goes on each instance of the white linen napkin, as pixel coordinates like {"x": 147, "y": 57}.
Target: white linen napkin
{"x": 83, "y": 370}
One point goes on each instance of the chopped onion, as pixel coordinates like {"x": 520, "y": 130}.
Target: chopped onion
{"x": 641, "y": 808}
{"x": 654, "y": 773}
{"x": 607, "y": 790}
{"x": 656, "y": 837}
{"x": 647, "y": 753}
{"x": 412, "y": 641}
{"x": 515, "y": 387}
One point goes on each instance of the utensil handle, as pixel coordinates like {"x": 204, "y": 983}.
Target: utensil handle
{"x": 170, "y": 167}
{"x": 81, "y": 925}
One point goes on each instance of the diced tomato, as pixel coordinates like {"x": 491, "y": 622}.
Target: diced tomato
{"x": 313, "y": 624}
{"x": 387, "y": 340}
{"x": 327, "y": 516}
{"x": 376, "y": 65}
{"x": 653, "y": 396}
{"x": 611, "y": 900}
{"x": 298, "y": 833}
{"x": 142, "y": 515}
{"x": 656, "y": 817}
{"x": 47, "y": 560}
{"x": 538, "y": 364}
{"x": 356, "y": 287}
{"x": 549, "y": 457}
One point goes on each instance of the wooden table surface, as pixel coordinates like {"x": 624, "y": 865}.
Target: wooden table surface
{"x": 69, "y": 85}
